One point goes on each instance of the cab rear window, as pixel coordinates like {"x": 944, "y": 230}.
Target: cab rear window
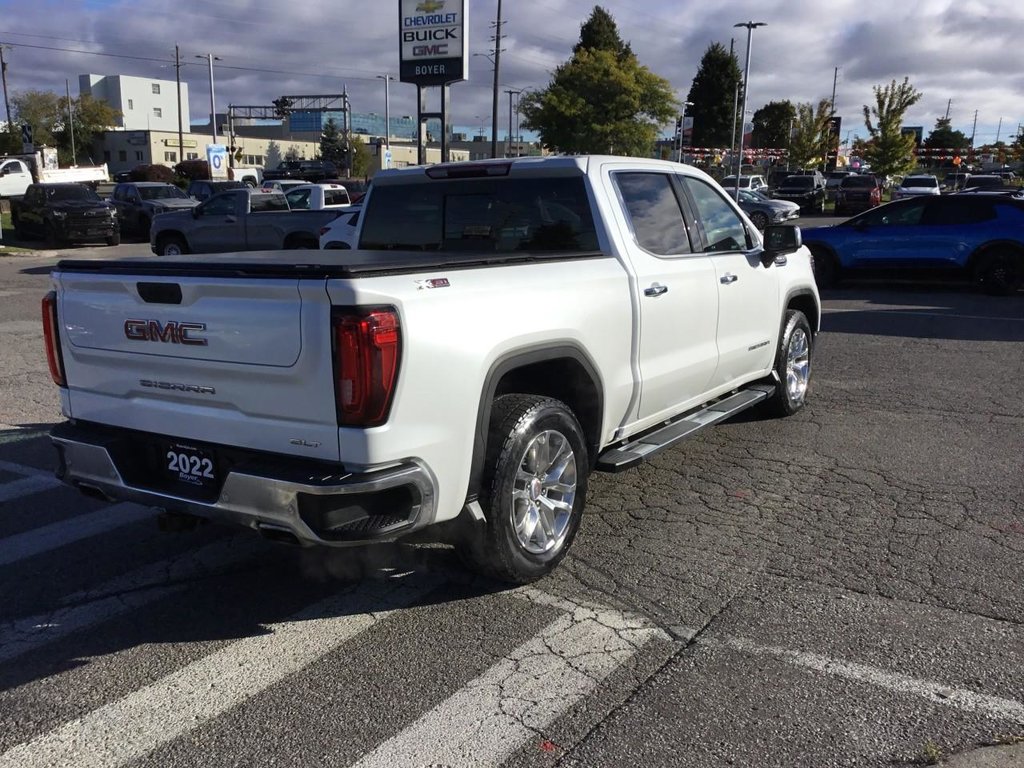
{"x": 486, "y": 215}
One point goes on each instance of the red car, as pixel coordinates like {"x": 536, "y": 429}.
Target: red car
{"x": 857, "y": 193}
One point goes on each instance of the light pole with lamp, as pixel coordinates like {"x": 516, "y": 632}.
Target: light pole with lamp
{"x": 387, "y": 108}
{"x": 210, "y": 58}
{"x": 679, "y": 138}
{"x": 750, "y": 25}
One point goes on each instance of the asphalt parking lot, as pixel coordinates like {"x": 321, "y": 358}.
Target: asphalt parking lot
{"x": 841, "y": 588}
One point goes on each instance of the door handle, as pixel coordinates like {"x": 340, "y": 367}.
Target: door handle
{"x": 656, "y": 290}
{"x": 727, "y": 278}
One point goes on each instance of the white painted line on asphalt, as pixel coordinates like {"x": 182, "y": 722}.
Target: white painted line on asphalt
{"x": 127, "y": 592}
{"x": 135, "y": 725}
{"x": 937, "y": 693}
{"x": 515, "y": 699}
{"x": 944, "y": 315}
{"x": 64, "y": 532}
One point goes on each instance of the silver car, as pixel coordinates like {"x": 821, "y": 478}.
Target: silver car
{"x": 763, "y": 210}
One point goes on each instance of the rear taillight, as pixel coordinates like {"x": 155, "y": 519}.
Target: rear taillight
{"x": 367, "y": 349}
{"x": 51, "y": 336}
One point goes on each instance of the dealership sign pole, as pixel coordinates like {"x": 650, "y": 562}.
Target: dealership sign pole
{"x": 432, "y": 51}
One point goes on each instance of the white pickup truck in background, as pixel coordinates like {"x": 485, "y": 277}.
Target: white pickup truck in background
{"x": 456, "y": 378}
{"x": 16, "y": 173}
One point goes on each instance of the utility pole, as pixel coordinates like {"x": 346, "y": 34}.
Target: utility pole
{"x": 948, "y": 105}
{"x": 835, "y": 78}
{"x": 494, "y": 103}
{"x": 999, "y": 130}
{"x": 3, "y": 75}
{"x": 71, "y": 122}
{"x": 177, "y": 79}
{"x": 974, "y": 128}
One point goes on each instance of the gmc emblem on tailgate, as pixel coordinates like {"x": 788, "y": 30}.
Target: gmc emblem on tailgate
{"x": 171, "y": 332}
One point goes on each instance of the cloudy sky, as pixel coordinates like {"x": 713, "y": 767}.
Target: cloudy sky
{"x": 970, "y": 51}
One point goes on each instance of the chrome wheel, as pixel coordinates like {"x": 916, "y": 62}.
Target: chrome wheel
{"x": 798, "y": 366}
{"x": 543, "y": 493}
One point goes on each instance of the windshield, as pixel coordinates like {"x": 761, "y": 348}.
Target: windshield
{"x": 289, "y": 165}
{"x": 804, "y": 182}
{"x": 858, "y": 182}
{"x": 920, "y": 181}
{"x": 162, "y": 193}
{"x": 755, "y": 196}
{"x": 70, "y": 192}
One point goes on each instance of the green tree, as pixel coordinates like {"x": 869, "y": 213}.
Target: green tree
{"x": 332, "y": 144}
{"x": 47, "y": 113}
{"x": 600, "y": 33}
{"x": 91, "y": 118}
{"x": 713, "y": 94}
{"x": 362, "y": 158}
{"x": 810, "y": 134}
{"x": 890, "y": 153}
{"x": 41, "y": 110}
{"x": 292, "y": 153}
{"x": 943, "y": 136}
{"x": 273, "y": 158}
{"x": 600, "y": 101}
{"x": 772, "y": 124}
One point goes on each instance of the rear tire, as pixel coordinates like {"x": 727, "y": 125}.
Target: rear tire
{"x": 792, "y": 365}
{"x": 534, "y": 489}
{"x": 999, "y": 273}
{"x": 171, "y": 245}
{"x": 301, "y": 244}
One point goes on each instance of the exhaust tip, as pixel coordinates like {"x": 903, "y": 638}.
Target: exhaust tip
{"x": 278, "y": 533}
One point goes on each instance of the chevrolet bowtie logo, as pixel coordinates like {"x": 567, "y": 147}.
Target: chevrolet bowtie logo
{"x": 429, "y": 6}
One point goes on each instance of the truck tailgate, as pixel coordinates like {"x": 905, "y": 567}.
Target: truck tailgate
{"x": 225, "y": 360}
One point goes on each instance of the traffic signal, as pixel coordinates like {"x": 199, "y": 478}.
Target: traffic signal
{"x": 282, "y": 106}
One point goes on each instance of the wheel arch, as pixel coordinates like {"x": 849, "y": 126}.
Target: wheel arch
{"x": 990, "y": 246}
{"x": 804, "y": 300}
{"x": 563, "y": 371}
{"x": 168, "y": 234}
{"x": 294, "y": 238}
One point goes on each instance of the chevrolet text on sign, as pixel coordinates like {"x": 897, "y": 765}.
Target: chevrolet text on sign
{"x": 432, "y": 41}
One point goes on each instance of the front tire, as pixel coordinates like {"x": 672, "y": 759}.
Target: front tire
{"x": 759, "y": 220}
{"x": 114, "y": 239}
{"x": 534, "y": 489}
{"x": 792, "y": 365}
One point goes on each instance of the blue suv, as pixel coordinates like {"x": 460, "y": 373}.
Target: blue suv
{"x": 979, "y": 237}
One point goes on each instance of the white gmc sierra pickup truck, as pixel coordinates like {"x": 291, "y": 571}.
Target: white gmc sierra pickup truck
{"x": 503, "y": 329}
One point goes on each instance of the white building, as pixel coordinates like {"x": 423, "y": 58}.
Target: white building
{"x": 145, "y": 104}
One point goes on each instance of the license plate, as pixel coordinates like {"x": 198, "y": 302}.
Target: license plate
{"x": 189, "y": 465}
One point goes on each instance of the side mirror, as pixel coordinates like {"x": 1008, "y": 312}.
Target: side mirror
{"x": 780, "y": 240}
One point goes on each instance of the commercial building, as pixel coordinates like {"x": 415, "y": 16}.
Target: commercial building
{"x": 145, "y": 104}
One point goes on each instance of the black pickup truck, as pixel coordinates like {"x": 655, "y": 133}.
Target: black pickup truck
{"x": 313, "y": 171}
{"x": 64, "y": 213}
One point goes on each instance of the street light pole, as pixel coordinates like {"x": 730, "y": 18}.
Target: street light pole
{"x": 387, "y": 108}
{"x": 750, "y": 25}
{"x": 682, "y": 127}
{"x": 210, "y": 58}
